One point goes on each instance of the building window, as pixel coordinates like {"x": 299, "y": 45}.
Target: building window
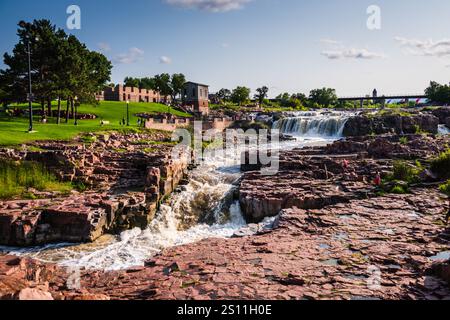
{"x": 193, "y": 92}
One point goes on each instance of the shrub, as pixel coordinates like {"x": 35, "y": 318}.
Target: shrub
{"x": 398, "y": 189}
{"x": 403, "y": 140}
{"x": 441, "y": 165}
{"x": 404, "y": 172}
{"x": 88, "y": 139}
{"x": 445, "y": 188}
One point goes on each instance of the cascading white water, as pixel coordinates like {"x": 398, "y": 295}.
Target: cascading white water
{"x": 202, "y": 209}
{"x": 314, "y": 124}
{"x": 443, "y": 130}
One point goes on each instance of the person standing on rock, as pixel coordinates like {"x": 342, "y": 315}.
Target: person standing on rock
{"x": 345, "y": 165}
{"x": 377, "y": 181}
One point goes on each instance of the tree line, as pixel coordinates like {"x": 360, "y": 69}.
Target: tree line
{"x": 62, "y": 68}
{"x": 318, "y": 98}
{"x": 438, "y": 93}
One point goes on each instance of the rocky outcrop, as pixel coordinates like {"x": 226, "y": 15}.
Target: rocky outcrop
{"x": 369, "y": 125}
{"x": 389, "y": 146}
{"x": 377, "y": 248}
{"x": 442, "y": 113}
{"x": 318, "y": 177}
{"x": 442, "y": 270}
{"x": 111, "y": 167}
{"x": 25, "y": 279}
{"x": 265, "y": 196}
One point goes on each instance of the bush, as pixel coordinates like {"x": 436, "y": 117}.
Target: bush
{"x": 445, "y": 188}
{"x": 404, "y": 172}
{"x": 398, "y": 189}
{"x": 441, "y": 165}
{"x": 17, "y": 177}
{"x": 403, "y": 140}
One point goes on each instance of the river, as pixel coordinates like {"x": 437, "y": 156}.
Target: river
{"x": 202, "y": 209}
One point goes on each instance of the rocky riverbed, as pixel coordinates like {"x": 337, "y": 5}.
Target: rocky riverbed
{"x": 127, "y": 177}
{"x": 335, "y": 236}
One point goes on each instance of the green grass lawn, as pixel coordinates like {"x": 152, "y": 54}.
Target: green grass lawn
{"x": 13, "y": 130}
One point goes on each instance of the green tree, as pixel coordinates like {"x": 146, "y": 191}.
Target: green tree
{"x": 61, "y": 66}
{"x": 301, "y": 97}
{"x": 162, "y": 84}
{"x": 438, "y": 93}
{"x": 324, "y": 97}
{"x": 131, "y": 82}
{"x": 283, "y": 97}
{"x": 240, "y": 95}
{"x": 43, "y": 38}
{"x": 147, "y": 83}
{"x": 224, "y": 95}
{"x": 261, "y": 94}
{"x": 177, "y": 82}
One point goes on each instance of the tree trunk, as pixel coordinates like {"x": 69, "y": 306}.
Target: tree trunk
{"x": 42, "y": 109}
{"x": 58, "y": 119}
{"x": 67, "y": 110}
{"x": 49, "y": 107}
{"x": 72, "y": 108}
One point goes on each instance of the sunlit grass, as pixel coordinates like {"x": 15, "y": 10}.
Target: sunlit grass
{"x": 14, "y": 130}
{"x": 17, "y": 177}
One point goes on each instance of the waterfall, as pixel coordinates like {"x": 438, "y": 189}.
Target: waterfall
{"x": 314, "y": 124}
{"x": 443, "y": 130}
{"x": 204, "y": 208}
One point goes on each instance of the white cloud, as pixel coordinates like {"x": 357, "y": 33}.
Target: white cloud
{"x": 209, "y": 5}
{"x": 427, "y": 48}
{"x": 165, "y": 60}
{"x": 340, "y": 51}
{"x": 104, "y": 47}
{"x": 133, "y": 55}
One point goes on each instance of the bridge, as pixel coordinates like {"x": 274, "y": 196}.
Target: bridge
{"x": 382, "y": 99}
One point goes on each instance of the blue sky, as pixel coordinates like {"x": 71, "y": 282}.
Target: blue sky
{"x": 288, "y": 45}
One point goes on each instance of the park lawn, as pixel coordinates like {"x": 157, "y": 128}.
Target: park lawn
{"x": 13, "y": 131}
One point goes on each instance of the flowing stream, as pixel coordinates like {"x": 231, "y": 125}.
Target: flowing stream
{"x": 443, "y": 130}
{"x": 202, "y": 209}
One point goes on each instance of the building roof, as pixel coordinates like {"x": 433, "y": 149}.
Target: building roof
{"x": 198, "y": 84}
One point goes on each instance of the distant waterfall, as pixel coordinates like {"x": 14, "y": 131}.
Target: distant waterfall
{"x": 443, "y": 130}
{"x": 314, "y": 124}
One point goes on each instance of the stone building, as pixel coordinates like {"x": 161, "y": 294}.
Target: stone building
{"x": 132, "y": 94}
{"x": 196, "y": 97}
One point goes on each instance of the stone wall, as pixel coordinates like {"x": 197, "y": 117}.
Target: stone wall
{"x": 132, "y": 94}
{"x": 166, "y": 124}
